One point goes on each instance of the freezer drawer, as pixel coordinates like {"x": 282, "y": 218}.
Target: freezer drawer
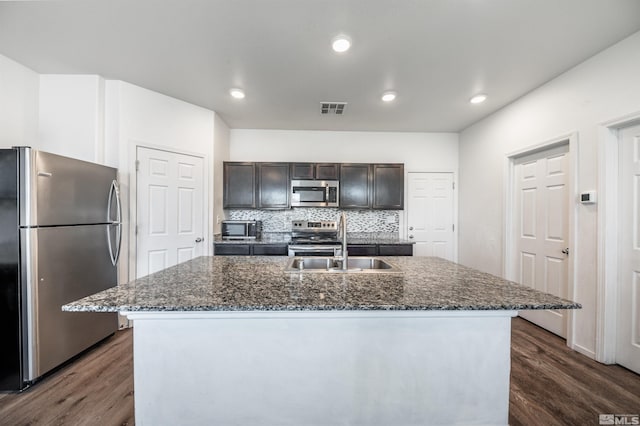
{"x": 57, "y": 190}
{"x": 63, "y": 264}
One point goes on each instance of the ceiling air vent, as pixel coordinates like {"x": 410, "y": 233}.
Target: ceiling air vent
{"x": 332, "y": 107}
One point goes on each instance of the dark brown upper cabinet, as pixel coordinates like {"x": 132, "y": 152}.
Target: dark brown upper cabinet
{"x": 320, "y": 171}
{"x": 273, "y": 185}
{"x": 355, "y": 183}
{"x": 239, "y": 185}
{"x": 388, "y": 186}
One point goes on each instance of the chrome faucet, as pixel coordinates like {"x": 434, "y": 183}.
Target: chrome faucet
{"x": 344, "y": 255}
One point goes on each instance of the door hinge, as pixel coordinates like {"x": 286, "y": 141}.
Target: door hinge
{"x": 137, "y": 165}
{"x": 136, "y": 231}
{"x": 453, "y": 228}
{"x": 453, "y": 185}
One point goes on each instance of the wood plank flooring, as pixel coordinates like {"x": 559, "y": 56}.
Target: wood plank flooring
{"x": 94, "y": 390}
{"x": 550, "y": 385}
{"x": 554, "y": 385}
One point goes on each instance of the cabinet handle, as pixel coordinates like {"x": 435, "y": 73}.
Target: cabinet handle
{"x": 411, "y": 236}
{"x": 411, "y": 228}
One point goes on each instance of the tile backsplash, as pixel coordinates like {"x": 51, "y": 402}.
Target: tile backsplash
{"x": 357, "y": 220}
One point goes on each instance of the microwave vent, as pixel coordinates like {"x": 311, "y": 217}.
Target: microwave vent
{"x": 336, "y": 108}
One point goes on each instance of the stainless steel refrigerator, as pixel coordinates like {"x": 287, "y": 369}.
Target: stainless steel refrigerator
{"x": 59, "y": 241}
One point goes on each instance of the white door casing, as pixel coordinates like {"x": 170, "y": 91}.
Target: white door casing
{"x": 628, "y": 321}
{"x": 541, "y": 220}
{"x": 430, "y": 218}
{"x": 170, "y": 209}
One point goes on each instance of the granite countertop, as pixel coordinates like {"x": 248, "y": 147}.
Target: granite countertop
{"x": 352, "y": 238}
{"x": 260, "y": 283}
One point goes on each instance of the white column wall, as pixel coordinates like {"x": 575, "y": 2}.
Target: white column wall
{"x": 220, "y": 154}
{"x": 602, "y": 88}
{"x": 19, "y": 88}
{"x": 71, "y": 116}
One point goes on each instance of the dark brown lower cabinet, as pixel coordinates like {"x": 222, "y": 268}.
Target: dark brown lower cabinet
{"x": 270, "y": 250}
{"x": 227, "y": 249}
{"x": 395, "y": 250}
{"x": 362, "y": 249}
{"x": 232, "y": 249}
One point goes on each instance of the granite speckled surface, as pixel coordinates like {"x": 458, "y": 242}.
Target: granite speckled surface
{"x": 260, "y": 283}
{"x": 390, "y": 238}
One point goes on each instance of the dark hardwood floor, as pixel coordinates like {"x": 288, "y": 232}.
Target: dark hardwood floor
{"x": 550, "y": 385}
{"x": 94, "y": 390}
{"x": 554, "y": 385}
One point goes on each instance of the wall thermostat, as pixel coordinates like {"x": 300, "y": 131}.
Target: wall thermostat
{"x": 588, "y": 197}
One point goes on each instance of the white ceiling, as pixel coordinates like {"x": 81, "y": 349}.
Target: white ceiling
{"x": 435, "y": 53}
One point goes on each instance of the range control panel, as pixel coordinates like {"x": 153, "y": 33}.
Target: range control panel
{"x": 322, "y": 225}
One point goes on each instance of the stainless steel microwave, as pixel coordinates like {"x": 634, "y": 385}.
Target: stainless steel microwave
{"x": 241, "y": 229}
{"x": 314, "y": 193}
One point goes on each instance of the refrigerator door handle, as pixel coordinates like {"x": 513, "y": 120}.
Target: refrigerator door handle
{"x": 114, "y": 192}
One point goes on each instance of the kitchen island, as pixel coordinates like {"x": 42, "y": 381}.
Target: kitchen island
{"x": 240, "y": 341}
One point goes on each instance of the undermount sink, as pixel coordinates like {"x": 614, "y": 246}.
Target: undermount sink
{"x": 329, "y": 264}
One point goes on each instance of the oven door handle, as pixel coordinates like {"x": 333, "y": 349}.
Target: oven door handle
{"x": 314, "y": 248}
{"x": 299, "y": 250}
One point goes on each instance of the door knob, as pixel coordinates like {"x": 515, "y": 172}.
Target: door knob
{"x": 411, "y": 228}
{"x": 199, "y": 240}
{"x": 410, "y": 236}
{"x": 566, "y": 251}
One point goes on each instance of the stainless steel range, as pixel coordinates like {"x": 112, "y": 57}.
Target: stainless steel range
{"x": 314, "y": 238}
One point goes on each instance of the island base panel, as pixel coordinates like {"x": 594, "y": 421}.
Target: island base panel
{"x": 322, "y": 369}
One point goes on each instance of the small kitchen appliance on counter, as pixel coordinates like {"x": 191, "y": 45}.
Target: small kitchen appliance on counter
{"x": 241, "y": 229}
{"x": 314, "y": 238}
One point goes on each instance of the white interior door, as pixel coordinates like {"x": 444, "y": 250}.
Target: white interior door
{"x": 628, "y": 322}
{"x": 541, "y": 218}
{"x": 430, "y": 221}
{"x": 170, "y": 209}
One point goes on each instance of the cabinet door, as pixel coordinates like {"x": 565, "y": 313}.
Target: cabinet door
{"x": 270, "y": 249}
{"x": 388, "y": 186}
{"x": 302, "y": 171}
{"x": 239, "y": 185}
{"x": 354, "y": 186}
{"x": 327, "y": 171}
{"x": 232, "y": 249}
{"x": 362, "y": 249}
{"x": 273, "y": 185}
{"x": 395, "y": 250}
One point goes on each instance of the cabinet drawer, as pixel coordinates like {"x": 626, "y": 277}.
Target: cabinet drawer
{"x": 395, "y": 249}
{"x": 362, "y": 249}
{"x": 232, "y": 249}
{"x": 270, "y": 250}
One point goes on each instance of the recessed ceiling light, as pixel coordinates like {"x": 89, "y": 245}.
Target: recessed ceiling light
{"x": 237, "y": 93}
{"x": 341, "y": 43}
{"x": 478, "y": 99}
{"x": 388, "y": 96}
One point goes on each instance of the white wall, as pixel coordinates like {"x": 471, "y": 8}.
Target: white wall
{"x": 418, "y": 151}
{"x": 19, "y": 87}
{"x": 221, "y": 136}
{"x": 71, "y": 119}
{"x": 137, "y": 116}
{"x": 602, "y": 88}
